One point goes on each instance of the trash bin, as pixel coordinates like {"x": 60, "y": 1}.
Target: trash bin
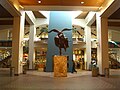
{"x": 12, "y": 71}
{"x": 106, "y": 71}
{"x": 24, "y": 69}
{"x": 98, "y": 71}
{"x": 94, "y": 71}
{"x": 90, "y": 67}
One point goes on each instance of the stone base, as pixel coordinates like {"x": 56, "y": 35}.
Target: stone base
{"x": 94, "y": 72}
{"x": 40, "y": 69}
{"x": 60, "y": 66}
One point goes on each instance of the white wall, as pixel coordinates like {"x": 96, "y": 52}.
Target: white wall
{"x": 41, "y": 21}
{"x": 115, "y": 36}
{"x": 80, "y": 22}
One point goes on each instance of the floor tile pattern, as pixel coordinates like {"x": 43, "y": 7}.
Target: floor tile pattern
{"x": 35, "y": 80}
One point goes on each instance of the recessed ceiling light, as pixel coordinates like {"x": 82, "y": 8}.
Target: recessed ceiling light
{"x": 21, "y": 7}
{"x": 82, "y": 2}
{"x": 39, "y": 1}
{"x": 100, "y": 8}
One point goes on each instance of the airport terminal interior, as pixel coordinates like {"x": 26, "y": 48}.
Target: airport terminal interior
{"x": 59, "y": 45}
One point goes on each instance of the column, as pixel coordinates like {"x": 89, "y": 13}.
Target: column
{"x": 31, "y": 46}
{"x": 17, "y": 40}
{"x": 59, "y": 20}
{"x": 102, "y": 49}
{"x": 88, "y": 46}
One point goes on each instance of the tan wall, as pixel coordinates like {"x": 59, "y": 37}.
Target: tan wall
{"x": 4, "y": 34}
{"x": 115, "y": 36}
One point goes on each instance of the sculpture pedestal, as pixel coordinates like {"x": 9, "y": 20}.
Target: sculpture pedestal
{"x": 60, "y": 66}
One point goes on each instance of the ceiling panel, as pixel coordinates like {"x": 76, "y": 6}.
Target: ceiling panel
{"x": 4, "y": 13}
{"x": 38, "y": 14}
{"x": 82, "y": 15}
{"x": 115, "y": 15}
{"x": 63, "y": 2}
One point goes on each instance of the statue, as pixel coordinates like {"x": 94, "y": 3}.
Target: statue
{"x": 60, "y": 40}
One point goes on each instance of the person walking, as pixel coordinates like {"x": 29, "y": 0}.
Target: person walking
{"x": 73, "y": 68}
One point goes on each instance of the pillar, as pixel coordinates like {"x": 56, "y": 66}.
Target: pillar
{"x": 88, "y": 46}
{"x": 102, "y": 49}
{"x": 31, "y": 46}
{"x": 59, "y": 20}
{"x": 17, "y": 40}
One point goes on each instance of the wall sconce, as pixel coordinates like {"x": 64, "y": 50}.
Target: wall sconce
{"x": 97, "y": 44}
{"x": 23, "y": 43}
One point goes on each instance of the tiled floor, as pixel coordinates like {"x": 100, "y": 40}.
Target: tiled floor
{"x": 35, "y": 80}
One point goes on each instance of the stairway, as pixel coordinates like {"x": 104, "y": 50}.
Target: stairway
{"x": 114, "y": 63}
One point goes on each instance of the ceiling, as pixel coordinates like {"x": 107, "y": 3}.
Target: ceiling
{"x": 62, "y": 2}
{"x": 5, "y": 14}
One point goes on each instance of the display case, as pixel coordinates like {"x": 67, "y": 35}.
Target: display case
{"x": 40, "y": 59}
{"x": 94, "y": 56}
{"x": 79, "y": 59}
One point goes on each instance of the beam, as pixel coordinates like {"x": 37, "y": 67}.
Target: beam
{"x": 113, "y": 20}
{"x": 90, "y": 18}
{"x": 30, "y": 17}
{"x": 60, "y": 8}
{"x": 6, "y": 18}
{"x": 115, "y": 5}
